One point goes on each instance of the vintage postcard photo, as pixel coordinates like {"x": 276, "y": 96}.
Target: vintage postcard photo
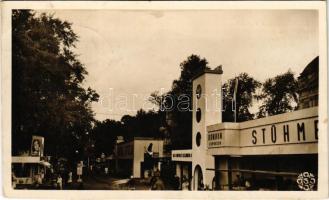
{"x": 226, "y": 99}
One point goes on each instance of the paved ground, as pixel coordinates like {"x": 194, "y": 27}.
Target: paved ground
{"x": 101, "y": 182}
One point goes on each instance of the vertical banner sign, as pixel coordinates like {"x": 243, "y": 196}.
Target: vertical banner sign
{"x": 37, "y": 146}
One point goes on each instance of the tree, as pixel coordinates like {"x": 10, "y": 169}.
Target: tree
{"x": 178, "y": 120}
{"x": 189, "y": 68}
{"x": 278, "y": 95}
{"x": 47, "y": 94}
{"x": 246, "y": 89}
{"x": 104, "y": 135}
{"x": 144, "y": 124}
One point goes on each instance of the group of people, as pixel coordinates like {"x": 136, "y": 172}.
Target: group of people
{"x": 158, "y": 184}
{"x": 56, "y": 180}
{"x": 181, "y": 185}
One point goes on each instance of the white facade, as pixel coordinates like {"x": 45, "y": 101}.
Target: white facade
{"x": 226, "y": 150}
{"x": 131, "y": 154}
{"x": 208, "y": 102}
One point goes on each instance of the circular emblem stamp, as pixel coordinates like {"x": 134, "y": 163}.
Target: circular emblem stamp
{"x": 306, "y": 181}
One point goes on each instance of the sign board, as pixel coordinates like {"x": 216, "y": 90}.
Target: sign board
{"x": 182, "y": 155}
{"x": 295, "y": 131}
{"x": 37, "y": 146}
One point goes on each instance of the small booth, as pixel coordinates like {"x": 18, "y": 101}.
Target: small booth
{"x": 30, "y": 168}
{"x": 27, "y": 170}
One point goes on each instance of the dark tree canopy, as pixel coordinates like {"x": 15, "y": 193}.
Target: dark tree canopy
{"x": 180, "y": 120}
{"x": 143, "y": 124}
{"x": 104, "y": 135}
{"x": 245, "y": 94}
{"x": 48, "y": 98}
{"x": 278, "y": 95}
{"x": 189, "y": 68}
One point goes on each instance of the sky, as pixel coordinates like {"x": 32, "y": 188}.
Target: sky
{"x": 130, "y": 54}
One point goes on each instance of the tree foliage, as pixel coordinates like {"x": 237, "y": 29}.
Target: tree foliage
{"x": 177, "y": 103}
{"x": 48, "y": 98}
{"x": 104, "y": 134}
{"x": 246, "y": 89}
{"x": 143, "y": 124}
{"x": 279, "y": 94}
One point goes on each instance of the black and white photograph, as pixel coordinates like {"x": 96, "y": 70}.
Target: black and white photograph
{"x": 215, "y": 99}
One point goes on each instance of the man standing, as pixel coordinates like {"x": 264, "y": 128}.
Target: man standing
{"x": 158, "y": 183}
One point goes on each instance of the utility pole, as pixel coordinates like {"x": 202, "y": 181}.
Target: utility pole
{"x": 234, "y": 98}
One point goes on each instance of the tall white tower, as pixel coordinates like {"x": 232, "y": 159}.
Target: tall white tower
{"x": 207, "y": 110}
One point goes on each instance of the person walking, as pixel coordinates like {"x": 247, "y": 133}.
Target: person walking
{"x": 59, "y": 182}
{"x": 69, "y": 179}
{"x": 14, "y": 180}
{"x": 158, "y": 183}
{"x": 176, "y": 183}
{"x": 185, "y": 183}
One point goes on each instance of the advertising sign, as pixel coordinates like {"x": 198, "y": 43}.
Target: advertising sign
{"x": 37, "y": 146}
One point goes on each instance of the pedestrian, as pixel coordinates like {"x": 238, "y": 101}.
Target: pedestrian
{"x": 39, "y": 179}
{"x": 14, "y": 180}
{"x": 69, "y": 179}
{"x": 248, "y": 184}
{"x": 42, "y": 175}
{"x": 201, "y": 185}
{"x": 185, "y": 183}
{"x": 131, "y": 183}
{"x": 158, "y": 184}
{"x": 59, "y": 182}
{"x": 176, "y": 183}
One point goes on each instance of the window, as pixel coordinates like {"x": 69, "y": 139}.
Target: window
{"x": 198, "y": 115}
{"x": 198, "y": 91}
{"x": 198, "y": 139}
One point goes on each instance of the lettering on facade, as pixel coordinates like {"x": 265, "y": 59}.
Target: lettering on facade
{"x": 277, "y": 133}
{"x": 273, "y": 134}
{"x": 301, "y": 129}
{"x": 285, "y": 133}
{"x": 182, "y": 155}
{"x": 215, "y": 139}
{"x": 254, "y": 138}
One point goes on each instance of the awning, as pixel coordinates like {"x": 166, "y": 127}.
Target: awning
{"x": 275, "y": 173}
{"x": 25, "y": 159}
{"x": 44, "y": 163}
{"x": 119, "y": 182}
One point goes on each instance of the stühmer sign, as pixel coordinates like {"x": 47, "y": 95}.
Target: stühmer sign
{"x": 299, "y": 131}
{"x": 294, "y": 132}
